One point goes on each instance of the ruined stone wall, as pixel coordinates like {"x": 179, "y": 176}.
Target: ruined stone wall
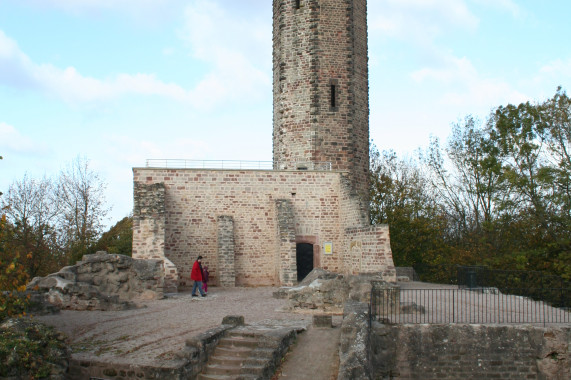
{"x": 286, "y": 245}
{"x": 149, "y": 215}
{"x": 195, "y": 198}
{"x": 320, "y": 54}
{"x": 470, "y": 352}
{"x": 149, "y": 220}
{"x": 102, "y": 282}
{"x": 368, "y": 250}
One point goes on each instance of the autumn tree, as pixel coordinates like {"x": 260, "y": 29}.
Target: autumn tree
{"x": 32, "y": 209}
{"x": 401, "y": 196}
{"x": 118, "y": 239}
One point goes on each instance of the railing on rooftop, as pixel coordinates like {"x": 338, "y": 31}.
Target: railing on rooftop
{"x": 237, "y": 165}
{"x": 475, "y": 306}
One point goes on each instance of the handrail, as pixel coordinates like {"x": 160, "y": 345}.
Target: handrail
{"x": 237, "y": 165}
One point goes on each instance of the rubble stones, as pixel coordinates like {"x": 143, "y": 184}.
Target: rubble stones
{"x": 326, "y": 291}
{"x": 102, "y": 282}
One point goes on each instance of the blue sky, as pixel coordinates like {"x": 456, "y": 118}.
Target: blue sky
{"x": 120, "y": 81}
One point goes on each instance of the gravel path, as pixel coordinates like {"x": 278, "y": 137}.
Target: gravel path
{"x": 153, "y": 333}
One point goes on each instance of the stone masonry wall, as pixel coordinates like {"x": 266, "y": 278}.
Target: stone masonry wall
{"x": 470, "y": 352}
{"x": 102, "y": 282}
{"x": 149, "y": 215}
{"x": 226, "y": 260}
{"x": 286, "y": 245}
{"x": 368, "y": 249}
{"x": 195, "y": 198}
{"x": 321, "y": 44}
{"x": 312, "y": 204}
{"x": 149, "y": 220}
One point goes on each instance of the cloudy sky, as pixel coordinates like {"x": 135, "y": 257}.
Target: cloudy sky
{"x": 121, "y": 81}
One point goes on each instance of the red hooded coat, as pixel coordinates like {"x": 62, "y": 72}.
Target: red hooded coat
{"x": 196, "y": 273}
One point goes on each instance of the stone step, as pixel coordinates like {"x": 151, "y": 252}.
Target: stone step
{"x": 243, "y": 334}
{"x": 204, "y": 376}
{"x": 255, "y": 370}
{"x": 238, "y": 341}
{"x": 225, "y": 360}
{"x": 255, "y": 362}
{"x": 264, "y": 353}
{"x": 226, "y": 377}
{"x": 241, "y": 352}
{"x": 220, "y": 369}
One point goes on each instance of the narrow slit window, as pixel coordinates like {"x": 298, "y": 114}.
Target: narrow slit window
{"x": 297, "y": 4}
{"x": 333, "y": 91}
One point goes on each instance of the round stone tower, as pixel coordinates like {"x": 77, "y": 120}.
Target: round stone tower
{"x": 321, "y": 93}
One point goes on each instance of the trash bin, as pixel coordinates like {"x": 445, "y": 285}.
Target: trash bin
{"x": 472, "y": 281}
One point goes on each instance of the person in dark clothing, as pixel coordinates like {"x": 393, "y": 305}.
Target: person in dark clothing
{"x": 205, "y": 274}
{"x": 196, "y": 276}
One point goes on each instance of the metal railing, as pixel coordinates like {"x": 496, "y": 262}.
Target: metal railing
{"x": 454, "y": 305}
{"x": 237, "y": 165}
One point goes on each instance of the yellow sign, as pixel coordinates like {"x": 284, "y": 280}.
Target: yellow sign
{"x": 328, "y": 248}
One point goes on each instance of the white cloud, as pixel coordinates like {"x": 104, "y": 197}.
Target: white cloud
{"x": 148, "y": 11}
{"x": 236, "y": 47}
{"x": 233, "y": 77}
{"x": 559, "y": 68}
{"x": 12, "y": 140}
{"x": 128, "y": 151}
{"x": 463, "y": 85}
{"x": 506, "y": 5}
{"x": 419, "y": 21}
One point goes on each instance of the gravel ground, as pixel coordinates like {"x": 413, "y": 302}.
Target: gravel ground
{"x": 153, "y": 333}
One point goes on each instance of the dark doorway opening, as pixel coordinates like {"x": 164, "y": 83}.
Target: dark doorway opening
{"x": 304, "y": 260}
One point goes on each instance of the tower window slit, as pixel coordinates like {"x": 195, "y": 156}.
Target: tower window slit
{"x": 297, "y": 4}
{"x": 333, "y": 90}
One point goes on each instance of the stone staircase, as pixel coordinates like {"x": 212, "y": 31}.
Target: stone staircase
{"x": 247, "y": 355}
{"x": 228, "y": 358}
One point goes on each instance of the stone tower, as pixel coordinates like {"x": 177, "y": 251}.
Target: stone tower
{"x": 272, "y": 227}
{"x": 321, "y": 97}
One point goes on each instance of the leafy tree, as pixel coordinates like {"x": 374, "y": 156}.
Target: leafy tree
{"x": 119, "y": 238}
{"x": 13, "y": 276}
{"x": 497, "y": 193}
{"x": 401, "y": 196}
{"x": 32, "y": 210}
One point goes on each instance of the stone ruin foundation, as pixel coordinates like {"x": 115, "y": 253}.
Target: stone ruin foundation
{"x": 102, "y": 282}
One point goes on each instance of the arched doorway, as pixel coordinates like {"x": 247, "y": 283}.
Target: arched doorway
{"x": 304, "y": 260}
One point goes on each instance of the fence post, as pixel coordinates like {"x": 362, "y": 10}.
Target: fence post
{"x": 453, "y": 306}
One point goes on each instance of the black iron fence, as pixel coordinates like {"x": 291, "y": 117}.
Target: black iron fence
{"x": 462, "y": 305}
{"x": 533, "y": 284}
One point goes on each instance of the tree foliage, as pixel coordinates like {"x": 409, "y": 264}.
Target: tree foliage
{"x": 53, "y": 222}
{"x": 118, "y": 239}
{"x": 497, "y": 193}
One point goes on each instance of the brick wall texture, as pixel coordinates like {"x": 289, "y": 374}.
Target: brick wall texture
{"x": 470, "y": 352}
{"x": 271, "y": 212}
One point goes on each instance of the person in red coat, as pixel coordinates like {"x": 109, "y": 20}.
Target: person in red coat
{"x": 196, "y": 276}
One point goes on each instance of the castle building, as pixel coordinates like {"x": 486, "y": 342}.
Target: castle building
{"x": 310, "y": 207}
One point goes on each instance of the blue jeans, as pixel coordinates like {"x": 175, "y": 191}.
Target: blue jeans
{"x": 197, "y": 284}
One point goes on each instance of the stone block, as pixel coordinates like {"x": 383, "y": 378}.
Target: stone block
{"x": 233, "y": 320}
{"x": 322, "y": 320}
